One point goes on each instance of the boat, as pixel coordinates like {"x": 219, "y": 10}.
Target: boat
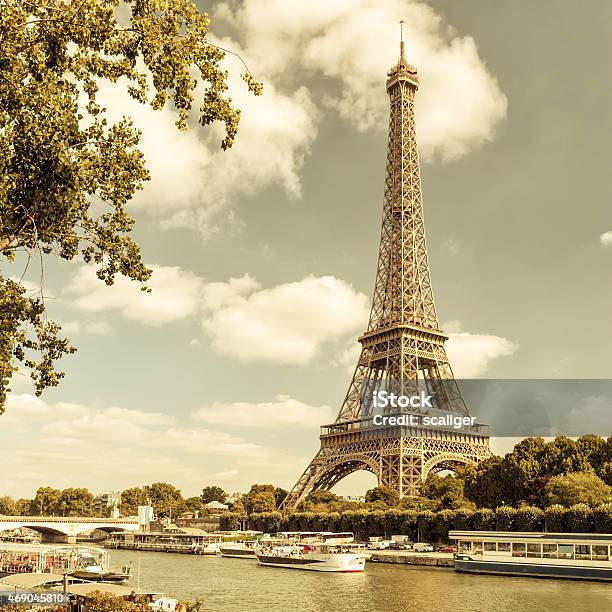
{"x": 318, "y": 557}
{"x": 238, "y": 550}
{"x": 327, "y": 537}
{"x": 186, "y": 541}
{"x": 32, "y": 558}
{"x": 577, "y": 556}
{"x": 91, "y": 570}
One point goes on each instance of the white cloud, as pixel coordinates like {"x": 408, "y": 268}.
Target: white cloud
{"x": 76, "y": 444}
{"x": 93, "y": 328}
{"x": 287, "y": 323}
{"x": 347, "y": 357}
{"x": 31, "y": 287}
{"x": 354, "y": 42}
{"x": 351, "y": 44}
{"x": 606, "y": 238}
{"x": 175, "y": 294}
{"x": 25, "y": 408}
{"x": 471, "y": 354}
{"x": 283, "y": 411}
{"x": 192, "y": 179}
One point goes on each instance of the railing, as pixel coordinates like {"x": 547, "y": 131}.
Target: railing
{"x": 67, "y": 519}
{"x": 367, "y": 426}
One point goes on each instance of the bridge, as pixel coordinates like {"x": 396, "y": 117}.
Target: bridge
{"x": 67, "y": 528}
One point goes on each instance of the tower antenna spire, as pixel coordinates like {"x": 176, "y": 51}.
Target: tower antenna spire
{"x": 401, "y": 23}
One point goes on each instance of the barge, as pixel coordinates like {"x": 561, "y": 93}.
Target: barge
{"x": 577, "y": 556}
{"x": 188, "y": 541}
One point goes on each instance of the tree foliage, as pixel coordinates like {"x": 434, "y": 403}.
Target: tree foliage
{"x": 75, "y": 502}
{"x": 165, "y": 498}
{"x": 577, "y": 488}
{"x": 213, "y": 493}
{"x": 66, "y": 172}
{"x": 104, "y": 602}
{"x": 193, "y": 504}
{"x": 260, "y": 498}
{"x": 7, "y": 505}
{"x": 448, "y": 490}
{"x": 130, "y": 500}
{"x": 383, "y": 494}
{"x": 46, "y": 501}
{"x": 524, "y": 475}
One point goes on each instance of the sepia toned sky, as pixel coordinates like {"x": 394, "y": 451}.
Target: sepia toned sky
{"x": 264, "y": 256}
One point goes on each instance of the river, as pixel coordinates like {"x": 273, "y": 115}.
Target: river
{"x": 240, "y": 585}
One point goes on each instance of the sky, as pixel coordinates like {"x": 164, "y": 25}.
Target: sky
{"x": 264, "y": 256}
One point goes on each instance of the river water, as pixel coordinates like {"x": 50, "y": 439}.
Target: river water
{"x": 240, "y": 585}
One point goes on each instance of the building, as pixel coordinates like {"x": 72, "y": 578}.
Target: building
{"x": 360, "y": 499}
{"x": 216, "y": 506}
{"x": 107, "y": 504}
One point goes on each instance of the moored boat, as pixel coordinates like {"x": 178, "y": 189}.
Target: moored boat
{"x": 318, "y": 557}
{"x": 31, "y": 558}
{"x": 186, "y": 541}
{"x": 238, "y": 550}
{"x": 578, "y": 556}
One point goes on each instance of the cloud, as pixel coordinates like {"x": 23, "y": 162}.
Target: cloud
{"x": 470, "y": 354}
{"x": 175, "y": 294}
{"x": 93, "y": 328}
{"x": 287, "y": 323}
{"x": 283, "y": 411}
{"x": 354, "y": 42}
{"x": 313, "y": 58}
{"x": 346, "y": 358}
{"x": 192, "y": 179}
{"x": 606, "y": 239}
{"x": 76, "y": 444}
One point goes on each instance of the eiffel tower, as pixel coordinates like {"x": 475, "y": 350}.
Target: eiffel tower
{"x": 403, "y": 346}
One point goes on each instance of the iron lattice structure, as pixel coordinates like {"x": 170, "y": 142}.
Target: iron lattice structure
{"x": 403, "y": 346}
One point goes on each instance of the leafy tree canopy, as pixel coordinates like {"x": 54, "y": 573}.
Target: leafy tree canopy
{"x": 103, "y": 602}
{"x": 75, "y": 502}
{"x": 66, "y": 172}
{"x": 577, "y": 488}
{"x": 213, "y": 493}
{"x": 165, "y": 498}
{"x": 384, "y": 494}
{"x": 193, "y": 504}
{"x": 7, "y": 505}
{"x": 522, "y": 475}
{"x": 46, "y": 501}
{"x": 131, "y": 499}
{"x": 260, "y": 498}
{"x": 448, "y": 490}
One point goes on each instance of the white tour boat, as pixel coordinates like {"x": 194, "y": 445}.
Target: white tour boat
{"x": 578, "y": 556}
{"x": 317, "y": 557}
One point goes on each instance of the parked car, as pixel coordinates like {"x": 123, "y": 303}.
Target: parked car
{"x": 400, "y": 546}
{"x": 379, "y": 545}
{"x": 447, "y": 549}
{"x": 423, "y": 547}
